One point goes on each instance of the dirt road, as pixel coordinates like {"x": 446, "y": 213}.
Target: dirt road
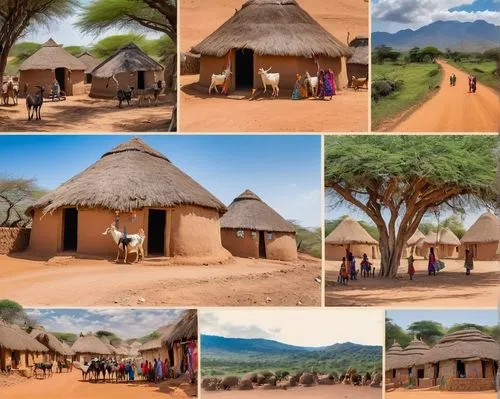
{"x": 480, "y": 289}
{"x": 70, "y": 386}
{"x": 85, "y": 114}
{"x": 419, "y": 394}
{"x": 454, "y": 109}
{"x": 242, "y": 282}
{"x": 317, "y": 392}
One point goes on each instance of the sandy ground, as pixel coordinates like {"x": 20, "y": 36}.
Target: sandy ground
{"x": 348, "y": 111}
{"x": 79, "y": 282}
{"x": 85, "y": 114}
{"x": 316, "y": 392}
{"x": 454, "y": 109}
{"x": 449, "y": 288}
{"x": 404, "y": 394}
{"x": 70, "y": 386}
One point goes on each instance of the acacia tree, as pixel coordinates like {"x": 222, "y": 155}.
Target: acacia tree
{"x": 15, "y": 196}
{"x": 427, "y": 330}
{"x": 396, "y": 180}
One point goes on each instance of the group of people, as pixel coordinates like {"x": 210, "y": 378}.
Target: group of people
{"x": 453, "y": 79}
{"x": 348, "y": 268}
{"x": 155, "y": 371}
{"x": 326, "y": 86}
{"x": 434, "y": 265}
{"x": 472, "y": 83}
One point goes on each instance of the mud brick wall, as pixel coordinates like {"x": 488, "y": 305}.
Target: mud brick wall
{"x": 470, "y": 384}
{"x": 474, "y": 369}
{"x": 426, "y": 382}
{"x": 448, "y": 368}
{"x": 429, "y": 370}
{"x": 13, "y": 239}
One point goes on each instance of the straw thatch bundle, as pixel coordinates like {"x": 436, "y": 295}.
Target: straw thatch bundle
{"x": 360, "y": 51}
{"x": 485, "y": 229}
{"x": 350, "y": 231}
{"x": 90, "y": 344}
{"x": 185, "y": 329}
{"x": 128, "y": 59}
{"x": 130, "y": 176}
{"x": 14, "y": 338}
{"x": 445, "y": 237}
{"x": 469, "y": 343}
{"x": 409, "y": 357}
{"x": 50, "y": 341}
{"x": 52, "y": 56}
{"x": 90, "y": 61}
{"x": 416, "y": 239}
{"x": 248, "y": 211}
{"x": 272, "y": 27}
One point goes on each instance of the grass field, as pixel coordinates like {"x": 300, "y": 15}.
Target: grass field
{"x": 482, "y": 70}
{"x": 418, "y": 84}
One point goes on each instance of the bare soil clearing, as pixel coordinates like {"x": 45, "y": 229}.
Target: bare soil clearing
{"x": 448, "y": 288}
{"x": 81, "y": 282}
{"x": 454, "y": 109}
{"x": 70, "y": 386}
{"x": 348, "y": 111}
{"x": 316, "y": 392}
{"x": 85, "y": 114}
{"x": 419, "y": 394}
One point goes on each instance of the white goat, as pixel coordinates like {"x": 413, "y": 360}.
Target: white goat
{"x": 218, "y": 80}
{"x": 313, "y": 81}
{"x": 272, "y": 79}
{"x": 134, "y": 244}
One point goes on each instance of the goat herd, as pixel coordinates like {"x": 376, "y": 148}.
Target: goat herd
{"x": 111, "y": 370}
{"x": 45, "y": 369}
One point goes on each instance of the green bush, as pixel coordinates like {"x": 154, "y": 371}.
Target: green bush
{"x": 384, "y": 87}
{"x": 434, "y": 72}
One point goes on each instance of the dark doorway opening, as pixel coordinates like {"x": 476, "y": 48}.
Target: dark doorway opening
{"x": 171, "y": 356}
{"x": 262, "y": 245}
{"x": 420, "y": 374}
{"x": 244, "y": 69}
{"x": 141, "y": 80}
{"x": 436, "y": 371}
{"x": 460, "y": 369}
{"x": 156, "y": 231}
{"x": 393, "y": 373}
{"x": 70, "y": 231}
{"x": 88, "y": 78}
{"x": 61, "y": 77}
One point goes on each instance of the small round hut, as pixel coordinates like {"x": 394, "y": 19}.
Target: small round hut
{"x": 275, "y": 34}
{"x": 405, "y": 366}
{"x": 90, "y": 63}
{"x": 357, "y": 64}
{"x": 445, "y": 243}
{"x": 51, "y": 62}
{"x": 416, "y": 243}
{"x": 482, "y": 238}
{"x": 350, "y": 235}
{"x": 57, "y": 351}
{"x": 391, "y": 357}
{"x": 252, "y": 229}
{"x": 88, "y": 346}
{"x": 130, "y": 66}
{"x": 18, "y": 349}
{"x": 138, "y": 188}
{"x": 466, "y": 360}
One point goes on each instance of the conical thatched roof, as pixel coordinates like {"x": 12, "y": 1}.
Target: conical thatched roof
{"x": 409, "y": 357}
{"x": 185, "y": 329}
{"x": 248, "y": 211}
{"x": 446, "y": 237}
{"x": 360, "y": 49}
{"x": 350, "y": 232}
{"x": 128, "y": 59}
{"x": 68, "y": 349}
{"x": 272, "y": 27}
{"x": 469, "y": 343}
{"x": 52, "y": 56}
{"x": 485, "y": 229}
{"x": 156, "y": 343}
{"x": 130, "y": 176}
{"x": 89, "y": 60}
{"x": 50, "y": 341}
{"x": 416, "y": 238}
{"x": 14, "y": 338}
{"x": 90, "y": 344}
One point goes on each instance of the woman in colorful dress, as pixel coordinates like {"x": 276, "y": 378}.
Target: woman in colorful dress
{"x": 296, "y": 89}
{"x": 321, "y": 85}
{"x": 411, "y": 268}
{"x": 431, "y": 267}
{"x": 328, "y": 84}
{"x": 469, "y": 262}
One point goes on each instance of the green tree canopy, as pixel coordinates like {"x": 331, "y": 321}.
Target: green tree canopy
{"x": 462, "y": 326}
{"x": 393, "y": 332}
{"x": 427, "y": 330}
{"x": 13, "y": 313}
{"x": 308, "y": 240}
{"x": 69, "y": 338}
{"x": 75, "y": 50}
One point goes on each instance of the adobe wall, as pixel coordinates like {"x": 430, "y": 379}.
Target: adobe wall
{"x": 46, "y": 232}
{"x": 246, "y": 246}
{"x": 98, "y": 87}
{"x": 481, "y": 251}
{"x": 337, "y": 252}
{"x": 74, "y": 81}
{"x": 282, "y": 246}
{"x": 426, "y": 382}
{"x": 442, "y": 251}
{"x": 151, "y": 355}
{"x": 474, "y": 369}
{"x": 448, "y": 368}
{"x": 13, "y": 239}
{"x": 470, "y": 384}
{"x": 429, "y": 371}
{"x": 402, "y": 376}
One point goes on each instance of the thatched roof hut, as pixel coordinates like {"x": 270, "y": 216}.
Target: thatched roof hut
{"x": 246, "y": 224}
{"x": 445, "y": 243}
{"x": 277, "y": 33}
{"x": 89, "y": 344}
{"x": 483, "y": 238}
{"x": 141, "y": 184}
{"x": 409, "y": 357}
{"x": 90, "y": 63}
{"x": 156, "y": 343}
{"x": 357, "y": 64}
{"x": 49, "y": 62}
{"x": 416, "y": 239}
{"x": 185, "y": 329}
{"x": 12, "y": 337}
{"x": 50, "y": 341}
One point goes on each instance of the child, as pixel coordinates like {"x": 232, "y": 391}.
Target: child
{"x": 411, "y": 268}
{"x": 352, "y": 269}
{"x": 431, "y": 267}
{"x": 469, "y": 262}
{"x": 343, "y": 274}
{"x": 366, "y": 266}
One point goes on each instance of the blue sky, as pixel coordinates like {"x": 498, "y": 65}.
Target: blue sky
{"x": 395, "y": 15}
{"x": 283, "y": 170}
{"x": 126, "y": 323}
{"x": 447, "y": 317}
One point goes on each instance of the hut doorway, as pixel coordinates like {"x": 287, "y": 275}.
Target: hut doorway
{"x": 460, "y": 369}
{"x": 244, "y": 68}
{"x": 61, "y": 78}
{"x": 70, "y": 230}
{"x": 156, "y": 231}
{"x": 262, "y": 245}
{"x": 141, "y": 80}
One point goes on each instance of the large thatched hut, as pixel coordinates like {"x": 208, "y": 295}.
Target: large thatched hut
{"x": 466, "y": 360}
{"x": 155, "y": 349}
{"x": 445, "y": 243}
{"x": 482, "y": 238}
{"x": 271, "y": 33}
{"x": 357, "y": 64}
{"x": 350, "y": 235}
{"x": 90, "y": 63}
{"x": 416, "y": 243}
{"x": 57, "y": 351}
{"x": 51, "y": 62}
{"x": 139, "y": 188}
{"x": 88, "y": 346}
{"x": 18, "y": 349}
{"x": 404, "y": 366}
{"x": 130, "y": 66}
{"x": 252, "y": 229}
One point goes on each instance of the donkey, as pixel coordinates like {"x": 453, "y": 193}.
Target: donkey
{"x": 35, "y": 102}
{"x": 45, "y": 367}
{"x": 132, "y": 243}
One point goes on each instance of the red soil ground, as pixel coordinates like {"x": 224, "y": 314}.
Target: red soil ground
{"x": 418, "y": 394}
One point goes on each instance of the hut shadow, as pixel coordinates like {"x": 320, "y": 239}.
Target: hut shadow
{"x": 196, "y": 90}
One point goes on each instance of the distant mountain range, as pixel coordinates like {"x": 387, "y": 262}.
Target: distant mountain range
{"x": 457, "y": 36}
